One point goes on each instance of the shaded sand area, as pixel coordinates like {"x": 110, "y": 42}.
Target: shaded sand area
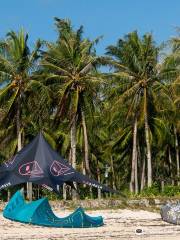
{"x": 119, "y": 224}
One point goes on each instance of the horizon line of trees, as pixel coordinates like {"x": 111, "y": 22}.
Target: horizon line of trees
{"x": 120, "y": 127}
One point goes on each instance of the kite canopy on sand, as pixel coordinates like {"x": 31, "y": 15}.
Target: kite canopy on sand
{"x": 40, "y": 213}
{"x": 38, "y": 163}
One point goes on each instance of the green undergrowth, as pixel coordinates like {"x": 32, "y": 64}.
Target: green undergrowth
{"x": 169, "y": 192}
{"x": 152, "y": 194}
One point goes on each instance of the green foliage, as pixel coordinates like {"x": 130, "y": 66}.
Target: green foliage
{"x": 55, "y": 84}
{"x": 171, "y": 191}
{"x": 155, "y": 191}
{"x": 50, "y": 195}
{"x": 152, "y": 191}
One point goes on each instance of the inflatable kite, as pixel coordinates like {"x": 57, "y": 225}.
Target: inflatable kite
{"x": 40, "y": 213}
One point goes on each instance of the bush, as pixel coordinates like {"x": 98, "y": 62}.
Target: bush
{"x": 171, "y": 191}
{"x": 155, "y": 191}
{"x": 152, "y": 191}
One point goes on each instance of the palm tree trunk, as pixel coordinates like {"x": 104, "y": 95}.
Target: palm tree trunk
{"x": 8, "y": 195}
{"x": 19, "y": 140}
{"x": 18, "y": 125}
{"x": 113, "y": 174}
{"x": 143, "y": 174}
{"x": 65, "y": 189}
{"x": 73, "y": 153}
{"x": 162, "y": 185}
{"x": 170, "y": 165}
{"x": 29, "y": 191}
{"x": 177, "y": 153}
{"x": 99, "y": 179}
{"x": 86, "y": 149}
{"x": 149, "y": 162}
{"x": 83, "y": 171}
{"x": 86, "y": 145}
{"x": 134, "y": 154}
{"x": 136, "y": 174}
{"x": 18, "y": 129}
{"x": 73, "y": 144}
{"x": 64, "y": 192}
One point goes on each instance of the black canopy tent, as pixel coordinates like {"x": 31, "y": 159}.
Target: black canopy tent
{"x": 38, "y": 163}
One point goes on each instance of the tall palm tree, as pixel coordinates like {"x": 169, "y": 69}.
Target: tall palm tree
{"x": 17, "y": 64}
{"x": 170, "y": 101}
{"x": 135, "y": 62}
{"x": 71, "y": 63}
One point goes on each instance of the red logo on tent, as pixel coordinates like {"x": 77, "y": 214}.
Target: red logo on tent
{"x": 58, "y": 169}
{"x": 31, "y": 169}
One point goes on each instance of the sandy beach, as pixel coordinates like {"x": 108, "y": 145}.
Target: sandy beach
{"x": 119, "y": 224}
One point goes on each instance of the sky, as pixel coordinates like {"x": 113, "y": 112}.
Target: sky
{"x": 111, "y": 19}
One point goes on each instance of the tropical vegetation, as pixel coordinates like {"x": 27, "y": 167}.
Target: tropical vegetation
{"x": 120, "y": 125}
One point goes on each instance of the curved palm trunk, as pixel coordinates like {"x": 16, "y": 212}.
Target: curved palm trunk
{"x": 149, "y": 161}
{"x": 177, "y": 153}
{"x": 73, "y": 153}
{"x": 134, "y": 157}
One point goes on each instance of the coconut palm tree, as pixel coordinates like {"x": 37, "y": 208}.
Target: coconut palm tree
{"x": 71, "y": 65}
{"x": 135, "y": 62}
{"x": 170, "y": 102}
{"x": 17, "y": 64}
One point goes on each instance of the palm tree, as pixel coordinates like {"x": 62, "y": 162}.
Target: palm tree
{"x": 17, "y": 64}
{"x": 71, "y": 65}
{"x": 170, "y": 101}
{"x": 135, "y": 62}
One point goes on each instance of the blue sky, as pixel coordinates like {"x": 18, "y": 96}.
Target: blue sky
{"x": 110, "y": 18}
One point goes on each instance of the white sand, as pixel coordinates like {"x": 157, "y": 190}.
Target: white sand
{"x": 119, "y": 224}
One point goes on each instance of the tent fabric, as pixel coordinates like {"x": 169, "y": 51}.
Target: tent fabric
{"x": 40, "y": 213}
{"x": 38, "y": 163}
{"x": 171, "y": 213}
